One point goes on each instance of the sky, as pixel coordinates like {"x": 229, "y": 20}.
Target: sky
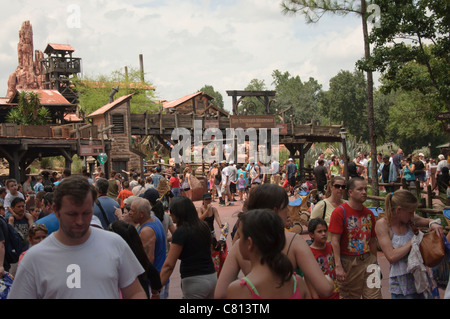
{"x": 186, "y": 44}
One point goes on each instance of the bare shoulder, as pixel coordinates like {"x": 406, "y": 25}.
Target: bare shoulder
{"x": 381, "y": 225}
{"x": 238, "y": 291}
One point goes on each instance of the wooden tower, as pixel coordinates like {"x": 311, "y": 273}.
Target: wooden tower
{"x": 58, "y": 67}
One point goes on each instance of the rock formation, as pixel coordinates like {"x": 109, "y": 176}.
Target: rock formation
{"x": 28, "y": 72}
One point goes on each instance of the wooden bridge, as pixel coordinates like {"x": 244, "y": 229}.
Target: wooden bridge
{"x": 297, "y": 138}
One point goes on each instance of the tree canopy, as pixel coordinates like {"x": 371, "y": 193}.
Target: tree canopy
{"x": 411, "y": 47}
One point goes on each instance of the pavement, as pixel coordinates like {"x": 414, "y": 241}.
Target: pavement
{"x": 229, "y": 214}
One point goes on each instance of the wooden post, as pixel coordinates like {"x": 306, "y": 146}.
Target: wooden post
{"x": 429, "y": 197}
{"x": 344, "y": 151}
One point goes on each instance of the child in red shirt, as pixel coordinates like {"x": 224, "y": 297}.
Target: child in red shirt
{"x": 124, "y": 194}
{"x": 323, "y": 252}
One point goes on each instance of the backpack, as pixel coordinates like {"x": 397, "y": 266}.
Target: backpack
{"x": 14, "y": 246}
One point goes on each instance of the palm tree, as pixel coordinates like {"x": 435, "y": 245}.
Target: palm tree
{"x": 29, "y": 110}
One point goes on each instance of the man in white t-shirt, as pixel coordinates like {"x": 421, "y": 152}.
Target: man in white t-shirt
{"x": 225, "y": 184}
{"x": 78, "y": 261}
{"x": 275, "y": 171}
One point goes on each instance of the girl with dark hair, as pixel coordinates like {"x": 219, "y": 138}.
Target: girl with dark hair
{"x": 191, "y": 243}
{"x": 149, "y": 280}
{"x": 262, "y": 241}
{"x": 274, "y": 197}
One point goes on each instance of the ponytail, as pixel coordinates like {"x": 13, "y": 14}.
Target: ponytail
{"x": 400, "y": 198}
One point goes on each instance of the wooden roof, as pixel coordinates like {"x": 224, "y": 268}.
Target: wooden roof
{"x": 175, "y": 103}
{"x": 53, "y": 47}
{"x": 46, "y": 97}
{"x": 110, "y": 106}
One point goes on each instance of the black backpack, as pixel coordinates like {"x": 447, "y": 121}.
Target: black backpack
{"x": 14, "y": 245}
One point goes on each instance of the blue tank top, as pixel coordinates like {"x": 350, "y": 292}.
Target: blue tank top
{"x": 160, "y": 248}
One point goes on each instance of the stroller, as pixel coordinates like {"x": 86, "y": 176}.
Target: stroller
{"x": 299, "y": 209}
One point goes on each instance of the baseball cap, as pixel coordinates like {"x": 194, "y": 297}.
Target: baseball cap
{"x": 151, "y": 195}
{"x": 421, "y": 154}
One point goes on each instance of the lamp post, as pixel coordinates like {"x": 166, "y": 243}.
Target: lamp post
{"x": 343, "y": 134}
{"x": 429, "y": 148}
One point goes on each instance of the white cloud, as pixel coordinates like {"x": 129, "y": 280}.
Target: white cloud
{"x": 187, "y": 44}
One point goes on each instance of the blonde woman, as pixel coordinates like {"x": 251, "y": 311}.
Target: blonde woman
{"x": 394, "y": 235}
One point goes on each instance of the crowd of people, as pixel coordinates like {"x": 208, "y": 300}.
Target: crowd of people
{"x": 122, "y": 237}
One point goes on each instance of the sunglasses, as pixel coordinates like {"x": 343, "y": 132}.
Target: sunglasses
{"x": 337, "y": 186}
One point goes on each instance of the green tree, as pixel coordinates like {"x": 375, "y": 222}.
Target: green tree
{"x": 411, "y": 121}
{"x": 29, "y": 110}
{"x": 218, "y": 98}
{"x": 302, "y": 96}
{"x": 401, "y": 52}
{"x": 346, "y": 101}
{"x": 94, "y": 91}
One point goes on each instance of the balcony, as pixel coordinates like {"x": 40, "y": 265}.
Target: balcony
{"x": 62, "y": 65}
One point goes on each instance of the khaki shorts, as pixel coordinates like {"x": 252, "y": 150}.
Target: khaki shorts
{"x": 359, "y": 280}
{"x": 225, "y": 189}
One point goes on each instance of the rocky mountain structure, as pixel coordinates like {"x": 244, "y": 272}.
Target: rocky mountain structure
{"x": 28, "y": 73}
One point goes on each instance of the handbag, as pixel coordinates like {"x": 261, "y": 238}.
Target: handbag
{"x": 431, "y": 247}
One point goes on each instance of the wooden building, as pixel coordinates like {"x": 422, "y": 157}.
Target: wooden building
{"x": 114, "y": 123}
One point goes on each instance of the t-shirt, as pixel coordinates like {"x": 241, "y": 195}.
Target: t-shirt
{"x": 320, "y": 172}
{"x": 50, "y": 221}
{"x": 226, "y": 172}
{"x": 156, "y": 178}
{"x": 175, "y": 181}
{"x": 325, "y": 259}
{"x": 109, "y": 206}
{"x": 356, "y": 229}
{"x": 123, "y": 194}
{"x": 196, "y": 254}
{"x": 291, "y": 168}
{"x": 38, "y": 187}
{"x": 95, "y": 269}
{"x": 335, "y": 169}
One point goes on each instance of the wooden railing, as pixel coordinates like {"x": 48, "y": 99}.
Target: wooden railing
{"x": 49, "y": 131}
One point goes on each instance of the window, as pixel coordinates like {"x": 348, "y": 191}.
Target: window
{"x": 119, "y": 124}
